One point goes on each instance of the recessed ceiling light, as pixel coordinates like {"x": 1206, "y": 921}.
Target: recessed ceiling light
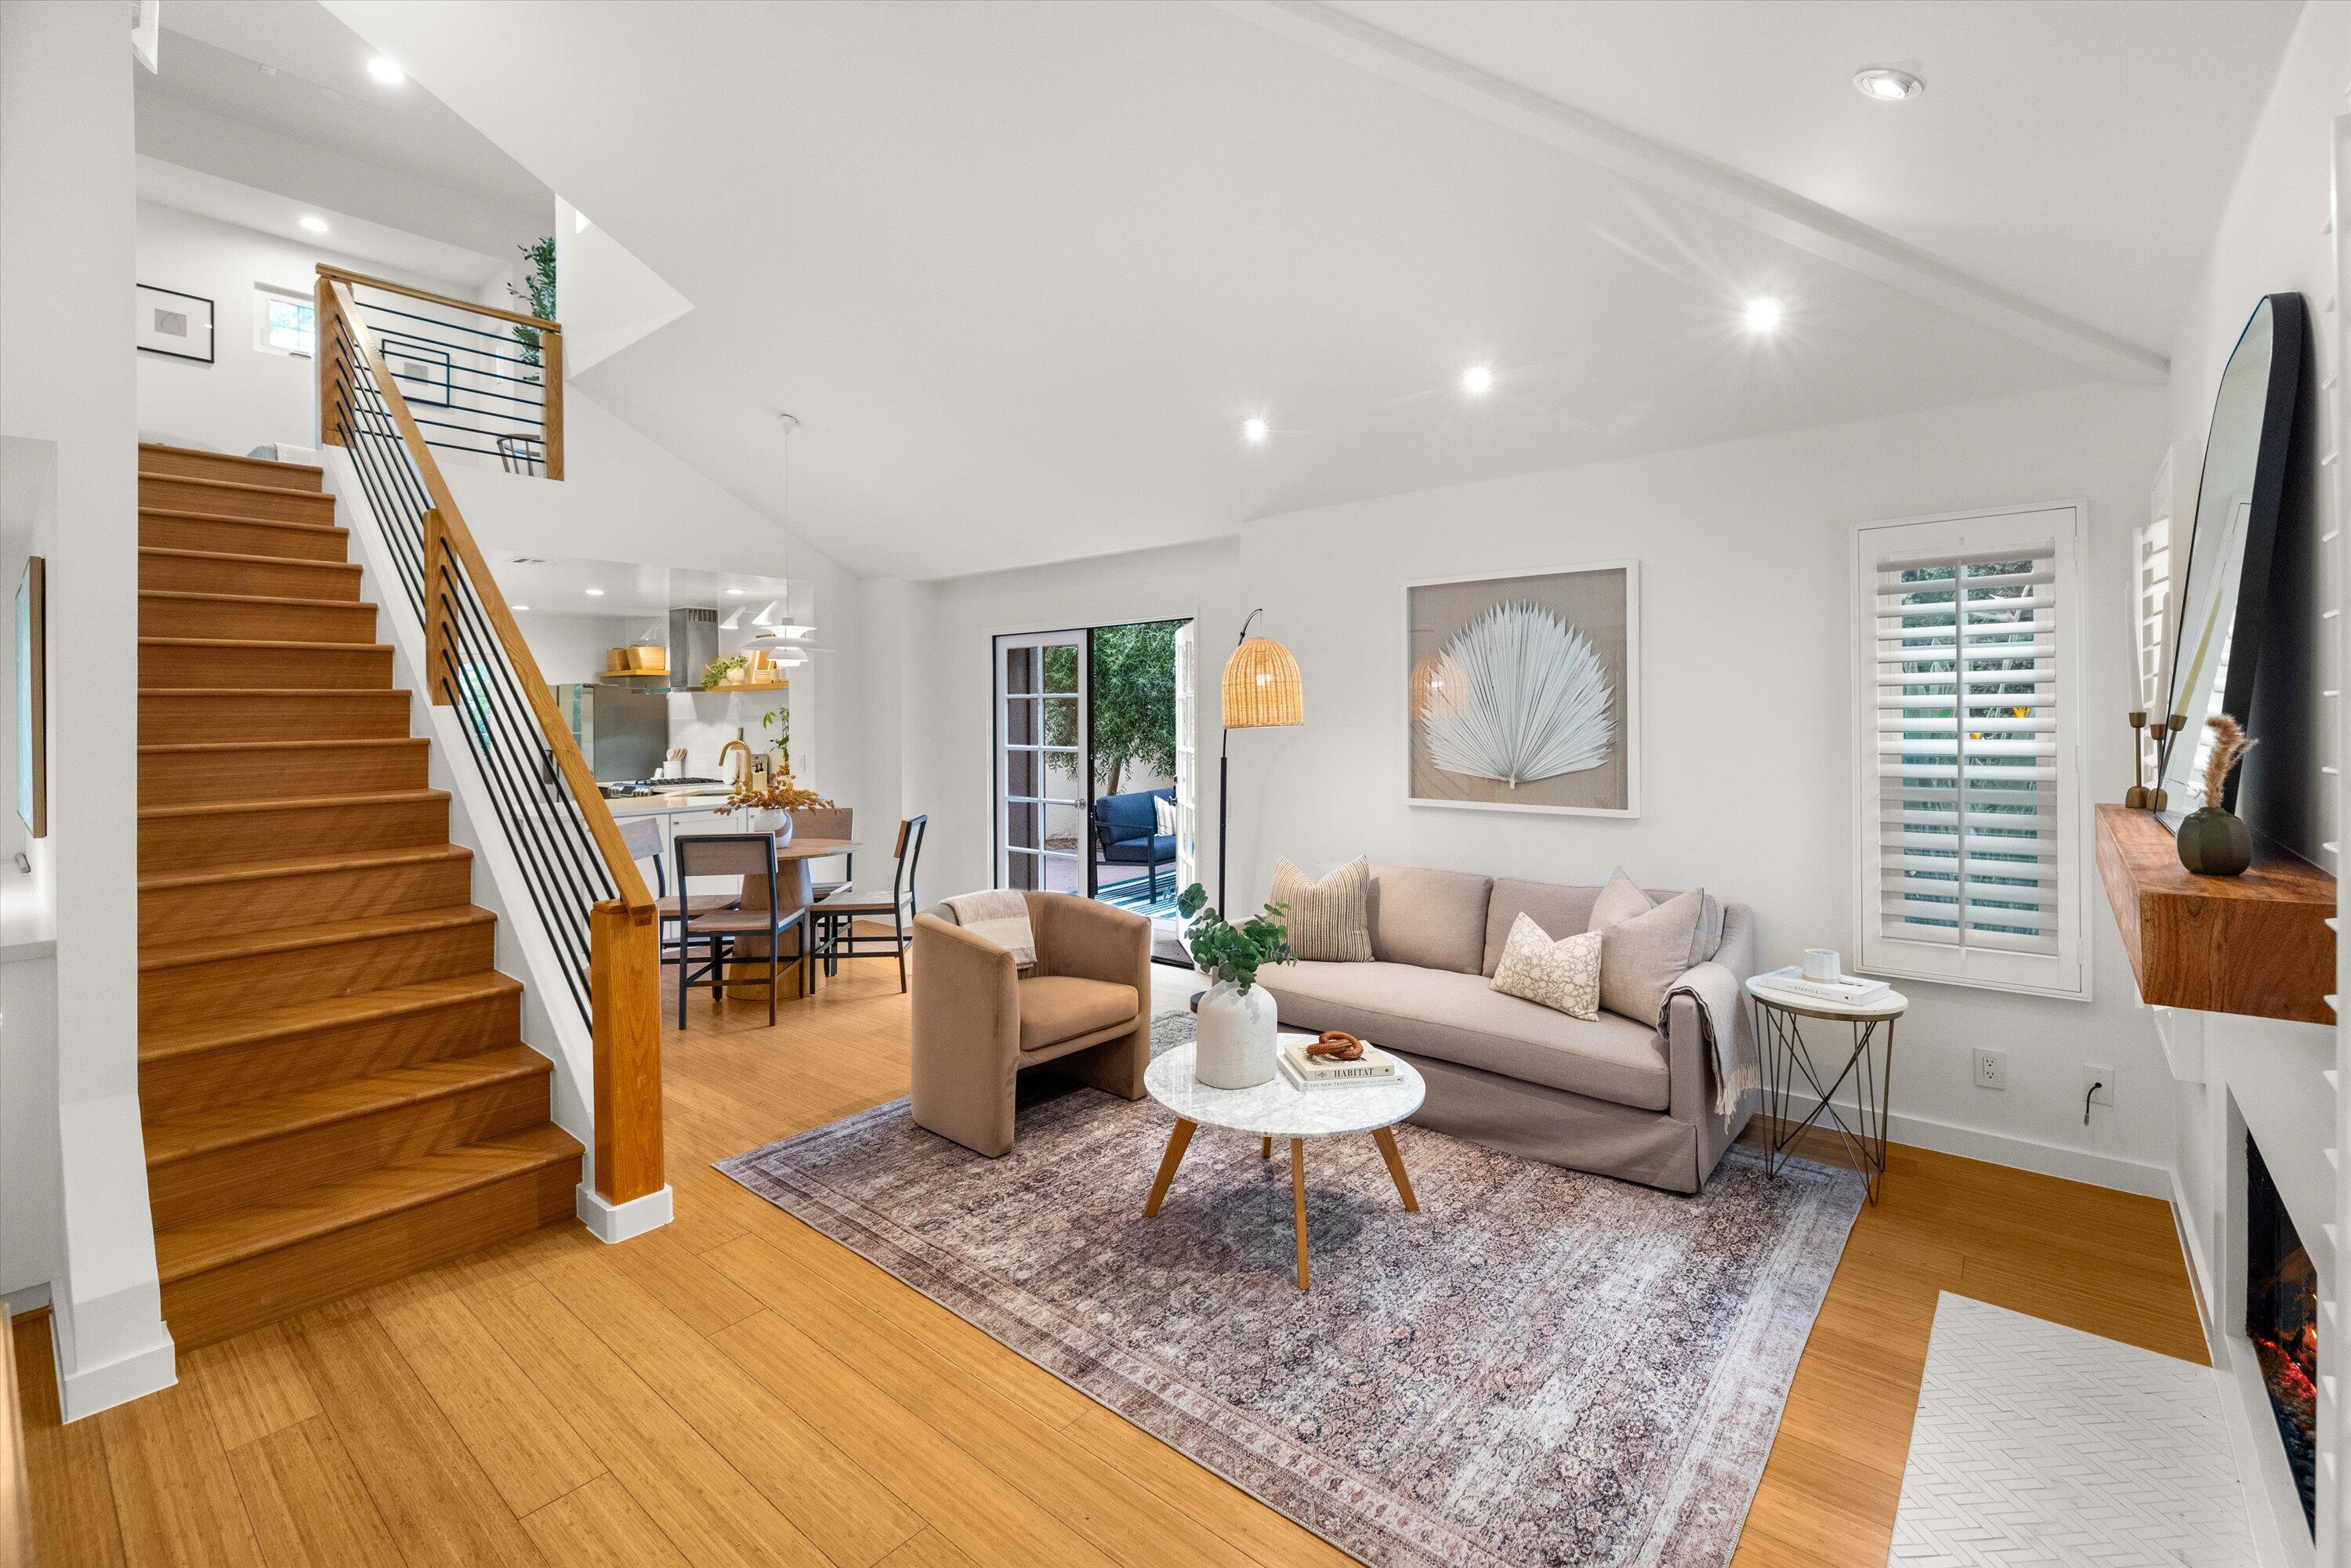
{"x": 1885, "y": 84}
{"x": 518, "y": 607}
{"x": 313, "y": 223}
{"x": 595, "y": 593}
{"x": 1478, "y": 380}
{"x": 386, "y": 69}
{"x": 1764, "y": 313}
{"x": 1254, "y": 430}
{"x": 736, "y": 592}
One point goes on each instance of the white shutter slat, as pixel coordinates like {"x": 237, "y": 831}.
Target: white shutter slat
{"x": 1969, "y": 839}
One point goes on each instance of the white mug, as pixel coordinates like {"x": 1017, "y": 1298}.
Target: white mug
{"x": 1823, "y": 964}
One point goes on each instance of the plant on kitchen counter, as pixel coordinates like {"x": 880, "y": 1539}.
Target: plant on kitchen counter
{"x": 719, "y": 668}
{"x": 780, "y": 721}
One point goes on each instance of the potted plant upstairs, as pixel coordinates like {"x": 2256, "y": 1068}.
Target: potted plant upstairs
{"x": 1236, "y": 1019}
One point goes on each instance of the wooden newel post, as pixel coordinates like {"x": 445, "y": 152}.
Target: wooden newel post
{"x": 324, "y": 319}
{"x": 550, "y": 363}
{"x": 625, "y": 981}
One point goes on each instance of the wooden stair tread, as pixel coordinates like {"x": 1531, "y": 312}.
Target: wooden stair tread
{"x": 184, "y": 514}
{"x": 228, "y": 488}
{"x": 184, "y": 748}
{"x": 153, "y": 955}
{"x": 217, "y": 1243}
{"x": 207, "y": 1129}
{"x": 262, "y": 871}
{"x": 260, "y": 642}
{"x": 262, "y": 465}
{"x": 245, "y": 599}
{"x": 291, "y": 802}
{"x": 158, "y": 1042}
{"x": 175, "y": 551}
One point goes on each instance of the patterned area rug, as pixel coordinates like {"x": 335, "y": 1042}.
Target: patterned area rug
{"x": 1539, "y": 1368}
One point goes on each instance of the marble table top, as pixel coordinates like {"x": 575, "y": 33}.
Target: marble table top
{"x": 1889, "y": 1005}
{"x": 1275, "y": 1110}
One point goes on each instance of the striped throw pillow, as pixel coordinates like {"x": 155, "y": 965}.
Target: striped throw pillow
{"x": 1328, "y": 920}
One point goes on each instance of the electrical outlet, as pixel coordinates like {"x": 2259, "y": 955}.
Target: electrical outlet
{"x": 1991, "y": 1069}
{"x": 2097, "y": 1087}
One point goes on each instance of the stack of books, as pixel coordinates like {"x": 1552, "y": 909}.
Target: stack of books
{"x": 1302, "y": 1071}
{"x": 1845, "y": 991}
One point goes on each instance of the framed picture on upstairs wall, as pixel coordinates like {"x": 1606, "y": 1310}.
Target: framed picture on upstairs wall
{"x": 1522, "y": 693}
{"x": 177, "y": 326}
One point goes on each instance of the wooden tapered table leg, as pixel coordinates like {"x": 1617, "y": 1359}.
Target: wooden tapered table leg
{"x": 1266, "y": 1153}
{"x": 1177, "y": 1142}
{"x": 1298, "y": 1201}
{"x": 1386, "y": 1138}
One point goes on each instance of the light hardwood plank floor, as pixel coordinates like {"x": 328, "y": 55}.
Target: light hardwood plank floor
{"x": 736, "y": 1389}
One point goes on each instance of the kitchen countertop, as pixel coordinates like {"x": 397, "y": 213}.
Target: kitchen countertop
{"x": 700, "y": 799}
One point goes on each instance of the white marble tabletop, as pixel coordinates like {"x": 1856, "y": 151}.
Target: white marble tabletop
{"x": 1890, "y": 1005}
{"x": 1275, "y": 1110}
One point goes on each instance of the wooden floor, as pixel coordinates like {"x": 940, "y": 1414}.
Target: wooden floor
{"x": 736, "y": 1389}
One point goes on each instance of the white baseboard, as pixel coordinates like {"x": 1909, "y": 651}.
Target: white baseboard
{"x": 2023, "y": 1154}
{"x": 2200, "y": 1271}
{"x": 609, "y": 1222}
{"x": 95, "y": 1388}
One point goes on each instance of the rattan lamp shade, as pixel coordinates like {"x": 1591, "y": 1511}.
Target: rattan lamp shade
{"x": 1263, "y": 689}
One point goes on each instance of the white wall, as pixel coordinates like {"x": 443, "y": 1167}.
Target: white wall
{"x": 66, "y": 237}
{"x": 2273, "y": 238}
{"x": 246, "y": 396}
{"x": 947, "y": 630}
{"x": 1746, "y": 714}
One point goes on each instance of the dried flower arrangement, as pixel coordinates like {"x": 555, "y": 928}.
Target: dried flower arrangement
{"x": 780, "y": 793}
{"x": 2229, "y": 744}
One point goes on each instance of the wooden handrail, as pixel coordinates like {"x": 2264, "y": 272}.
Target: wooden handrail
{"x": 624, "y": 972}
{"x": 344, "y": 275}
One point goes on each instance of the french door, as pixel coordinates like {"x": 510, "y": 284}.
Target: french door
{"x": 1041, "y": 747}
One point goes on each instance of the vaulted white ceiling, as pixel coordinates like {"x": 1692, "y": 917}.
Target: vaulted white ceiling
{"x": 1022, "y": 269}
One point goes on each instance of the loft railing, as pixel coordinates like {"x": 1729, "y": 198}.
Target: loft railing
{"x": 584, "y": 886}
{"x": 492, "y": 390}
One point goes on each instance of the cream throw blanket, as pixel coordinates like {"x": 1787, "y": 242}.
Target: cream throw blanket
{"x": 1001, "y": 916}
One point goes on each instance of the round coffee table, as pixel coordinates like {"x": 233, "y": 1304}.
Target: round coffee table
{"x": 1276, "y": 1110}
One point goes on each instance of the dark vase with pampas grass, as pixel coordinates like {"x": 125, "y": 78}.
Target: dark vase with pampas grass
{"x": 2214, "y": 841}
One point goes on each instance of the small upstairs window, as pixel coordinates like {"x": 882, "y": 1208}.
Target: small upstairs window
{"x": 1970, "y": 845}
{"x": 284, "y": 322}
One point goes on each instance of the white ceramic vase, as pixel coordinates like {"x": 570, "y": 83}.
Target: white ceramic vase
{"x": 1237, "y": 1031}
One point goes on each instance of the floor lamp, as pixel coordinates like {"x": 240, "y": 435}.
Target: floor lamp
{"x": 1261, "y": 691}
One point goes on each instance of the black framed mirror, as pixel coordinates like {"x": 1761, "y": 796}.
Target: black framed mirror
{"x": 2224, "y": 598}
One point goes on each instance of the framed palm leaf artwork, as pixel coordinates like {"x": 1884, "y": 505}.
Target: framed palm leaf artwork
{"x": 1523, "y": 692}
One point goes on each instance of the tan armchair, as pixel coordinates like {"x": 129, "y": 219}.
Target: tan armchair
{"x": 1083, "y": 1009}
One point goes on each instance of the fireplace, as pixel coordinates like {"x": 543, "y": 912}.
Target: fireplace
{"x": 2282, "y": 1321}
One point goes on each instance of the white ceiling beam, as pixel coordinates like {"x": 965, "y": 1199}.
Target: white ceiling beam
{"x": 1809, "y": 226}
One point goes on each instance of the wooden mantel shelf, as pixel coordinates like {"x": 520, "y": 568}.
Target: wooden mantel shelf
{"x": 2256, "y": 945}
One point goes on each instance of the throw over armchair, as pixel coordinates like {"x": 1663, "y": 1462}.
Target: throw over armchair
{"x": 1083, "y": 1009}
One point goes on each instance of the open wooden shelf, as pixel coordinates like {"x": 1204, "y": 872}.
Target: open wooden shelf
{"x": 2255, "y": 944}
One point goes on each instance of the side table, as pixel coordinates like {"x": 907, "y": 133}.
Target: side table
{"x": 1787, "y": 1056}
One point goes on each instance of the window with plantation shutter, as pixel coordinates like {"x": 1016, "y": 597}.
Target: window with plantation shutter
{"x": 1970, "y": 827}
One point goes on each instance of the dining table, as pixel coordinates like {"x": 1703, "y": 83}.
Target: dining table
{"x": 795, "y": 889}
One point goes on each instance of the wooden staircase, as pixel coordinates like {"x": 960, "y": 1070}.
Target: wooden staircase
{"x": 330, "y": 1068}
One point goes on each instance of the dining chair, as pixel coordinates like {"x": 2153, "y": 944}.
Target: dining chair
{"x": 736, "y": 855}
{"x": 830, "y": 822}
{"x": 840, "y": 912}
{"x": 643, "y": 838}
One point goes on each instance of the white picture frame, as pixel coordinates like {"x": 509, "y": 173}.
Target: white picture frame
{"x": 1616, "y": 636}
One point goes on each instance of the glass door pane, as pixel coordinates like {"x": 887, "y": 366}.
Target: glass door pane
{"x": 1041, "y": 750}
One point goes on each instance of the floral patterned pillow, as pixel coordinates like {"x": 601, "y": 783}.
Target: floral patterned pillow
{"x": 1562, "y": 975}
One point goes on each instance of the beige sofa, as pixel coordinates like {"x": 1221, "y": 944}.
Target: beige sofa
{"x": 1611, "y": 1095}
